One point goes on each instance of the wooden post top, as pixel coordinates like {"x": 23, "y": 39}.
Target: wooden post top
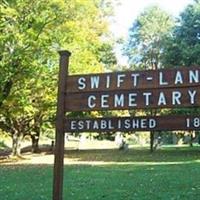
{"x": 64, "y": 53}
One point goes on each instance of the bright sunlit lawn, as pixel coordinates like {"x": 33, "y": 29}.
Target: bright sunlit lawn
{"x": 168, "y": 174}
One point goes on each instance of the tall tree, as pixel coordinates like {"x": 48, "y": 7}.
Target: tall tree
{"x": 145, "y": 43}
{"x": 31, "y": 33}
{"x": 183, "y": 48}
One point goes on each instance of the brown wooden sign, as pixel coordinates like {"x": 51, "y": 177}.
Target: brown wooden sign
{"x": 165, "y": 78}
{"x": 134, "y": 99}
{"x": 125, "y": 124}
{"x": 169, "y": 88}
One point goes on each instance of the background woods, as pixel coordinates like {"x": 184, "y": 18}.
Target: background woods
{"x": 31, "y": 33}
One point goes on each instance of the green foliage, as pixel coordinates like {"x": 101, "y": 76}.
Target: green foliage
{"x": 27, "y": 38}
{"x": 2, "y": 145}
{"x": 84, "y": 35}
{"x": 107, "y": 56}
{"x": 31, "y": 32}
{"x": 183, "y": 48}
{"x": 146, "y": 38}
{"x": 156, "y": 41}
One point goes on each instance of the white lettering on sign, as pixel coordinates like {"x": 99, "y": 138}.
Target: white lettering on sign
{"x": 129, "y": 90}
{"x": 134, "y": 123}
{"x": 73, "y": 125}
{"x": 152, "y": 123}
{"x": 119, "y": 124}
{"x": 120, "y": 79}
{"x": 162, "y": 99}
{"x": 138, "y": 79}
{"x": 161, "y": 79}
{"x": 193, "y": 122}
{"x": 109, "y": 124}
{"x": 88, "y": 122}
{"x": 95, "y": 80}
{"x": 119, "y": 100}
{"x": 127, "y": 124}
{"x": 81, "y": 83}
{"x": 192, "y": 96}
{"x": 107, "y": 81}
{"x": 132, "y": 100}
{"x": 95, "y": 125}
{"x": 104, "y": 101}
{"x": 103, "y": 124}
{"x": 135, "y": 78}
{"x": 176, "y": 95}
{"x": 91, "y": 101}
{"x": 194, "y": 76}
{"x": 178, "y": 78}
{"x": 81, "y": 125}
{"x": 147, "y": 98}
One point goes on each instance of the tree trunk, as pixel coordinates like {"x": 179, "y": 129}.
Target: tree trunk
{"x": 16, "y": 144}
{"x": 36, "y": 136}
{"x": 153, "y": 112}
{"x": 192, "y": 137}
{"x": 151, "y": 141}
{"x": 35, "y": 143}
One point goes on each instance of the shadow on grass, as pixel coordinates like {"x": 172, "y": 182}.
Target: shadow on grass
{"x": 136, "y": 156}
{"x": 7, "y": 158}
{"x": 169, "y": 154}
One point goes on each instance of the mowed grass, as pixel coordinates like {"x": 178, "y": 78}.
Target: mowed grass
{"x": 168, "y": 173}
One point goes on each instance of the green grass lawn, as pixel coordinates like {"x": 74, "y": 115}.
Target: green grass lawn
{"x": 168, "y": 174}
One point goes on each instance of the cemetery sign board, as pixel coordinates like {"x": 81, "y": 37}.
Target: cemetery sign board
{"x": 134, "y": 90}
{"x": 165, "y": 88}
{"x": 131, "y": 124}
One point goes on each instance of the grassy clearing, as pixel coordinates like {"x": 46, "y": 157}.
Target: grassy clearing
{"x": 169, "y": 174}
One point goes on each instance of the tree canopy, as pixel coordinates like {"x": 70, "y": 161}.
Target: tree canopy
{"x": 31, "y": 34}
{"x": 183, "y": 48}
{"x": 144, "y": 46}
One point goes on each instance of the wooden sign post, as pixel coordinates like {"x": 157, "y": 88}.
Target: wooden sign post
{"x": 157, "y": 89}
{"x": 60, "y": 128}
